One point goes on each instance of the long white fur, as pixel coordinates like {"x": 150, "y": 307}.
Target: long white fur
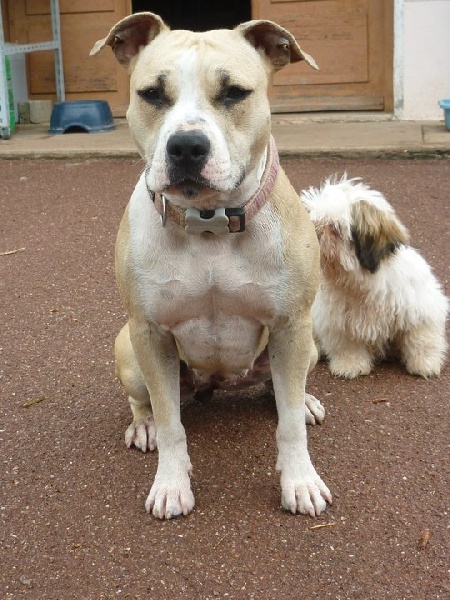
{"x": 359, "y": 317}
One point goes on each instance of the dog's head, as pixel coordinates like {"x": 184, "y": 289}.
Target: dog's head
{"x": 356, "y": 226}
{"x": 198, "y": 109}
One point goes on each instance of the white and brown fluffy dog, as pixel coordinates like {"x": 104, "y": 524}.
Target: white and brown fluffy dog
{"x": 377, "y": 295}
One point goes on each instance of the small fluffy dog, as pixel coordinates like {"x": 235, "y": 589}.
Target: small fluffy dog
{"x": 377, "y": 295}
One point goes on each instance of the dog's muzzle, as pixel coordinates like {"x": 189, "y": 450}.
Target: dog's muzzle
{"x": 221, "y": 220}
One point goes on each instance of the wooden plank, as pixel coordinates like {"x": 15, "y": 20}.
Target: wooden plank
{"x": 328, "y": 103}
{"x": 42, "y": 7}
{"x": 348, "y": 39}
{"x": 336, "y": 37}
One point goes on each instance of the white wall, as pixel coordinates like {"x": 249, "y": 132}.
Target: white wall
{"x": 421, "y": 58}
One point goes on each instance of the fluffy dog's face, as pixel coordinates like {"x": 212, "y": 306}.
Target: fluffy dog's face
{"x": 357, "y": 228}
{"x": 198, "y": 109}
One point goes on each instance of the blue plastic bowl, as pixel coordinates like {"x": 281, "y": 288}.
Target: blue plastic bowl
{"x": 445, "y": 104}
{"x": 92, "y": 116}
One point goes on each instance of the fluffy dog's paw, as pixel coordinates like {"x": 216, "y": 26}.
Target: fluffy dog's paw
{"x": 142, "y": 434}
{"x": 314, "y": 410}
{"x": 168, "y": 499}
{"x": 306, "y": 493}
{"x": 350, "y": 369}
{"x": 424, "y": 367}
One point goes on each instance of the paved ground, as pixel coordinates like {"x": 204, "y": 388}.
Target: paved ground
{"x": 344, "y": 135}
{"x": 72, "y": 495}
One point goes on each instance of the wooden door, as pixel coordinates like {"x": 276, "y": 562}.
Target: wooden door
{"x": 351, "y": 41}
{"x": 82, "y": 24}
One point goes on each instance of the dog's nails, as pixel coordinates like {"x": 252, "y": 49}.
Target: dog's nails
{"x": 173, "y": 513}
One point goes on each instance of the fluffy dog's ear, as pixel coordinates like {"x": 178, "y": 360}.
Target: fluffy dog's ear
{"x": 376, "y": 234}
{"x": 279, "y": 45}
{"x": 130, "y": 35}
{"x": 331, "y": 243}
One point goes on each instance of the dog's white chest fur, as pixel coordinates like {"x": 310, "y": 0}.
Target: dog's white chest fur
{"x": 215, "y": 294}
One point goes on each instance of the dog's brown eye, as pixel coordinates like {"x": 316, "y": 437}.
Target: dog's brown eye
{"x": 234, "y": 94}
{"x": 153, "y": 95}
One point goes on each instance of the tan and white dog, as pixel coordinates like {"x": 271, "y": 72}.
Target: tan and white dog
{"x": 377, "y": 295}
{"x": 217, "y": 262}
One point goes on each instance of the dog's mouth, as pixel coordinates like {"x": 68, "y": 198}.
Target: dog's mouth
{"x": 189, "y": 188}
{"x": 198, "y": 187}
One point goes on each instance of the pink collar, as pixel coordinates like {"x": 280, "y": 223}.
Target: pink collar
{"x": 222, "y": 220}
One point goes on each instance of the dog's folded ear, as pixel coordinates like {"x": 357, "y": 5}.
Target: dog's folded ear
{"x": 278, "y": 44}
{"x": 376, "y": 234}
{"x": 130, "y": 35}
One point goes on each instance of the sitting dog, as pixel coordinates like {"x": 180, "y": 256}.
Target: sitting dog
{"x": 217, "y": 262}
{"x": 377, "y": 295}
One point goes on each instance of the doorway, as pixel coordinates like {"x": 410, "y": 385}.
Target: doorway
{"x": 197, "y": 15}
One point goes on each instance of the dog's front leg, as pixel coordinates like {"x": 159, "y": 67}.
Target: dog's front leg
{"x": 302, "y": 490}
{"x": 157, "y": 356}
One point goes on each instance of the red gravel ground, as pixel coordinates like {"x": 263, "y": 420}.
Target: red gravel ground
{"x": 72, "y": 495}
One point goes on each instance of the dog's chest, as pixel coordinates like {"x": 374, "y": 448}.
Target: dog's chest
{"x": 208, "y": 287}
{"x": 216, "y": 297}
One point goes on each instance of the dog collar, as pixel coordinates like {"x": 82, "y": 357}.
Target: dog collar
{"x": 221, "y": 220}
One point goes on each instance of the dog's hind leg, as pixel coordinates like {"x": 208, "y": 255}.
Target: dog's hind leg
{"x": 314, "y": 410}
{"x": 141, "y": 432}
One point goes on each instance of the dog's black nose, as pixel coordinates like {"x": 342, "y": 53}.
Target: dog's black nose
{"x": 188, "y": 149}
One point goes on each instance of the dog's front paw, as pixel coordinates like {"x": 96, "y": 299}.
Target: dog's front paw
{"x": 427, "y": 372}
{"x": 426, "y": 365}
{"x": 314, "y": 410}
{"x": 142, "y": 434}
{"x": 170, "y": 498}
{"x": 350, "y": 367}
{"x": 304, "y": 493}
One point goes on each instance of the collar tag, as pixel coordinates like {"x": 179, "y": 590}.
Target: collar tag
{"x": 203, "y": 221}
